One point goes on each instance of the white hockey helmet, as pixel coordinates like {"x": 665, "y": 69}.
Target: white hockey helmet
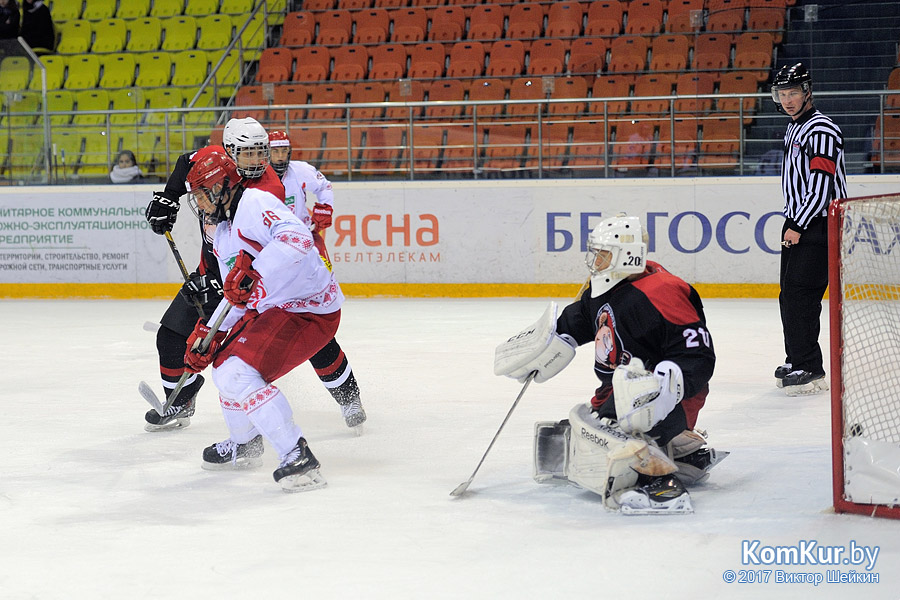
{"x": 248, "y": 138}
{"x": 616, "y": 249}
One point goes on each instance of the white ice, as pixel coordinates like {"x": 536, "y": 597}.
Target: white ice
{"x": 93, "y": 507}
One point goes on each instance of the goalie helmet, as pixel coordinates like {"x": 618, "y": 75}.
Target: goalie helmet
{"x": 247, "y": 142}
{"x": 616, "y": 249}
{"x": 279, "y": 139}
{"x": 788, "y": 77}
{"x": 209, "y": 182}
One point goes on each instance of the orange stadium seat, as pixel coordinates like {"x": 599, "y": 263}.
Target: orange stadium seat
{"x": 679, "y": 15}
{"x": 353, "y": 4}
{"x": 410, "y": 24}
{"x": 611, "y": 87}
{"x": 426, "y": 146}
{"x": 318, "y": 5}
{"x": 445, "y": 90}
{"x": 306, "y": 143}
{"x": 683, "y": 148}
{"x": 486, "y": 22}
{"x": 466, "y": 60}
{"x": 426, "y": 61}
{"x": 564, "y": 19}
{"x": 737, "y": 83}
{"x": 588, "y": 149}
{"x": 694, "y": 84}
{"x": 350, "y": 63}
{"x": 313, "y": 63}
{"x": 525, "y": 21}
{"x": 720, "y": 142}
{"x": 506, "y": 146}
{"x": 771, "y": 20}
{"x": 447, "y": 24}
{"x": 409, "y": 91}
{"x": 483, "y": 90}
{"x": 388, "y": 61}
{"x": 669, "y": 53}
{"x": 335, "y": 155}
{"x": 628, "y": 54}
{"x": 568, "y": 87}
{"x": 587, "y": 56}
{"x": 554, "y": 142}
{"x": 383, "y": 150}
{"x": 507, "y": 59}
{"x": 250, "y": 95}
{"x": 525, "y": 88}
{"x": 327, "y": 93}
{"x": 726, "y": 15}
{"x": 644, "y": 17}
{"x": 633, "y": 146}
{"x": 275, "y": 64}
{"x": 712, "y": 51}
{"x": 389, "y": 3}
{"x": 366, "y": 91}
{"x": 652, "y": 84}
{"x": 298, "y": 29}
{"x": 372, "y": 26}
{"x": 459, "y": 152}
{"x": 753, "y": 51}
{"x": 334, "y": 27}
{"x": 604, "y": 18}
{"x": 292, "y": 93}
{"x": 547, "y": 57}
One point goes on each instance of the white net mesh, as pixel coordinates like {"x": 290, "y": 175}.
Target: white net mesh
{"x": 870, "y": 319}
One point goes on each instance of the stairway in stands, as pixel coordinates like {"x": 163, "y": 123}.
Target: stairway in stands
{"x": 846, "y": 46}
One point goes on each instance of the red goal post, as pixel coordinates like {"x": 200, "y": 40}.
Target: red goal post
{"x": 864, "y": 307}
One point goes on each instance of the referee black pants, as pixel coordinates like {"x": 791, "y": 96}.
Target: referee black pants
{"x": 804, "y": 278}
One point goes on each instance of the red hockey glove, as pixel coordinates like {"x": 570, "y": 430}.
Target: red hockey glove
{"x": 321, "y": 216}
{"x": 241, "y": 281}
{"x": 195, "y": 360}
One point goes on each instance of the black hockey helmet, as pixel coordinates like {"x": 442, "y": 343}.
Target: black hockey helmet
{"x": 791, "y": 76}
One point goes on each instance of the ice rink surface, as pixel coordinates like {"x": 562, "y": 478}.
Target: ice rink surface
{"x": 93, "y": 507}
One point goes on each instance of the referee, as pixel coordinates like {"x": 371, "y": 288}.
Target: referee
{"x": 812, "y": 175}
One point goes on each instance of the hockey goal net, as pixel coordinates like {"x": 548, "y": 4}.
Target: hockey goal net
{"x": 864, "y": 305}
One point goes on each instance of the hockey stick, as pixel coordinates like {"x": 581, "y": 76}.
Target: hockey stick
{"x": 461, "y": 488}
{"x": 184, "y": 271}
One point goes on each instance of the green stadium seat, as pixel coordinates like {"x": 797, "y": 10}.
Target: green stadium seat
{"x": 75, "y": 37}
{"x": 84, "y": 72}
{"x": 215, "y": 32}
{"x": 55, "y": 64}
{"x": 109, "y": 36}
{"x": 191, "y": 68}
{"x": 133, "y": 9}
{"x": 200, "y": 8}
{"x": 154, "y": 69}
{"x": 88, "y": 100}
{"x": 167, "y": 8}
{"x": 180, "y": 33}
{"x": 98, "y": 10}
{"x": 118, "y": 70}
{"x": 60, "y": 101}
{"x": 64, "y": 10}
{"x": 144, "y": 35}
{"x": 15, "y": 73}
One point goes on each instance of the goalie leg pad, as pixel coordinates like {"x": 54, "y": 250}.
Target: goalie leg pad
{"x": 606, "y": 460}
{"x": 551, "y": 450}
{"x": 694, "y": 459}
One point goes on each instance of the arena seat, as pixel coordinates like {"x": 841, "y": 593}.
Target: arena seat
{"x": 388, "y": 61}
{"x": 109, "y": 36}
{"x": 645, "y": 17}
{"x": 466, "y": 60}
{"x": 604, "y": 18}
{"x": 144, "y": 35}
{"x": 486, "y": 23}
{"x": 448, "y": 23}
{"x": 564, "y": 19}
{"x": 351, "y": 63}
{"x": 133, "y": 9}
{"x": 547, "y": 57}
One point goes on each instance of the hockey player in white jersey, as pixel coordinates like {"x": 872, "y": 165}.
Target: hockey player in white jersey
{"x": 299, "y": 178}
{"x": 634, "y": 443}
{"x": 284, "y": 307}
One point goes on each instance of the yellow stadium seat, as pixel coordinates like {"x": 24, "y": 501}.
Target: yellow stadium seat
{"x": 207, "y": 99}
{"x": 133, "y": 9}
{"x": 166, "y": 8}
{"x": 98, "y": 154}
{"x": 64, "y": 10}
{"x": 154, "y": 69}
{"x": 253, "y": 38}
{"x": 98, "y": 10}
{"x": 180, "y": 33}
{"x": 200, "y": 8}
{"x": 22, "y": 108}
{"x": 236, "y": 7}
{"x": 75, "y": 37}
{"x": 15, "y": 73}
{"x": 25, "y": 153}
{"x": 191, "y": 67}
{"x": 109, "y": 36}
{"x": 118, "y": 70}
{"x": 229, "y": 73}
{"x": 55, "y": 64}
{"x": 160, "y": 100}
{"x": 60, "y": 101}
{"x": 277, "y": 11}
{"x": 88, "y": 100}
{"x": 129, "y": 101}
{"x": 144, "y": 35}
{"x": 215, "y": 32}
{"x": 67, "y": 145}
{"x": 84, "y": 72}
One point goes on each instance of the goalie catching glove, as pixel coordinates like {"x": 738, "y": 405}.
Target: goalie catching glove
{"x": 536, "y": 349}
{"x": 643, "y": 399}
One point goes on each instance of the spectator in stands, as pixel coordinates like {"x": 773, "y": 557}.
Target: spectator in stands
{"x": 9, "y": 19}
{"x": 126, "y": 169}
{"x": 37, "y": 26}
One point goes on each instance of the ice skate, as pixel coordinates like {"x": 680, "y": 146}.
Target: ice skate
{"x": 354, "y": 415}
{"x": 178, "y": 416}
{"x": 230, "y": 455}
{"x": 695, "y": 467}
{"x": 664, "y": 495}
{"x": 781, "y": 372}
{"x": 802, "y": 383}
{"x": 299, "y": 470}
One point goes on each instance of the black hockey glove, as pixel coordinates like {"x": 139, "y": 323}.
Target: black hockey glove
{"x": 161, "y": 213}
{"x": 201, "y": 288}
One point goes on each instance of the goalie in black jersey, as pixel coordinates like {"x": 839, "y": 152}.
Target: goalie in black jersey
{"x": 634, "y": 443}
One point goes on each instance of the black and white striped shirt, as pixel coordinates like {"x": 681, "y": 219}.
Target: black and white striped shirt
{"x": 812, "y": 170}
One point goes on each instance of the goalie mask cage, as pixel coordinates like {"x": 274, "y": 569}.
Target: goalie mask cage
{"x": 864, "y": 306}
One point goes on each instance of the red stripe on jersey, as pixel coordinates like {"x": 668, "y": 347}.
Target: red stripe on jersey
{"x": 324, "y": 371}
{"x": 668, "y": 294}
{"x": 820, "y": 163}
{"x": 268, "y": 182}
{"x": 252, "y": 243}
{"x": 693, "y": 405}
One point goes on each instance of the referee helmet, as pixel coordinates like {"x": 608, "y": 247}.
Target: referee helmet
{"x": 791, "y": 76}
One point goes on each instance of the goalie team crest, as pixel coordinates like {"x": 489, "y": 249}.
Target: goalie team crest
{"x": 608, "y": 350}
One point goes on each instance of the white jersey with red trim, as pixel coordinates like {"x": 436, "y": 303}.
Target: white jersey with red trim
{"x": 293, "y": 276}
{"x": 300, "y": 178}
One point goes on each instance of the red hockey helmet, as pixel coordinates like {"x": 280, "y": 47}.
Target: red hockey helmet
{"x": 209, "y": 180}
{"x": 279, "y": 139}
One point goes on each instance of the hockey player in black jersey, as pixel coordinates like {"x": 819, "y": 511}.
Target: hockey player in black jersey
{"x": 634, "y": 443}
